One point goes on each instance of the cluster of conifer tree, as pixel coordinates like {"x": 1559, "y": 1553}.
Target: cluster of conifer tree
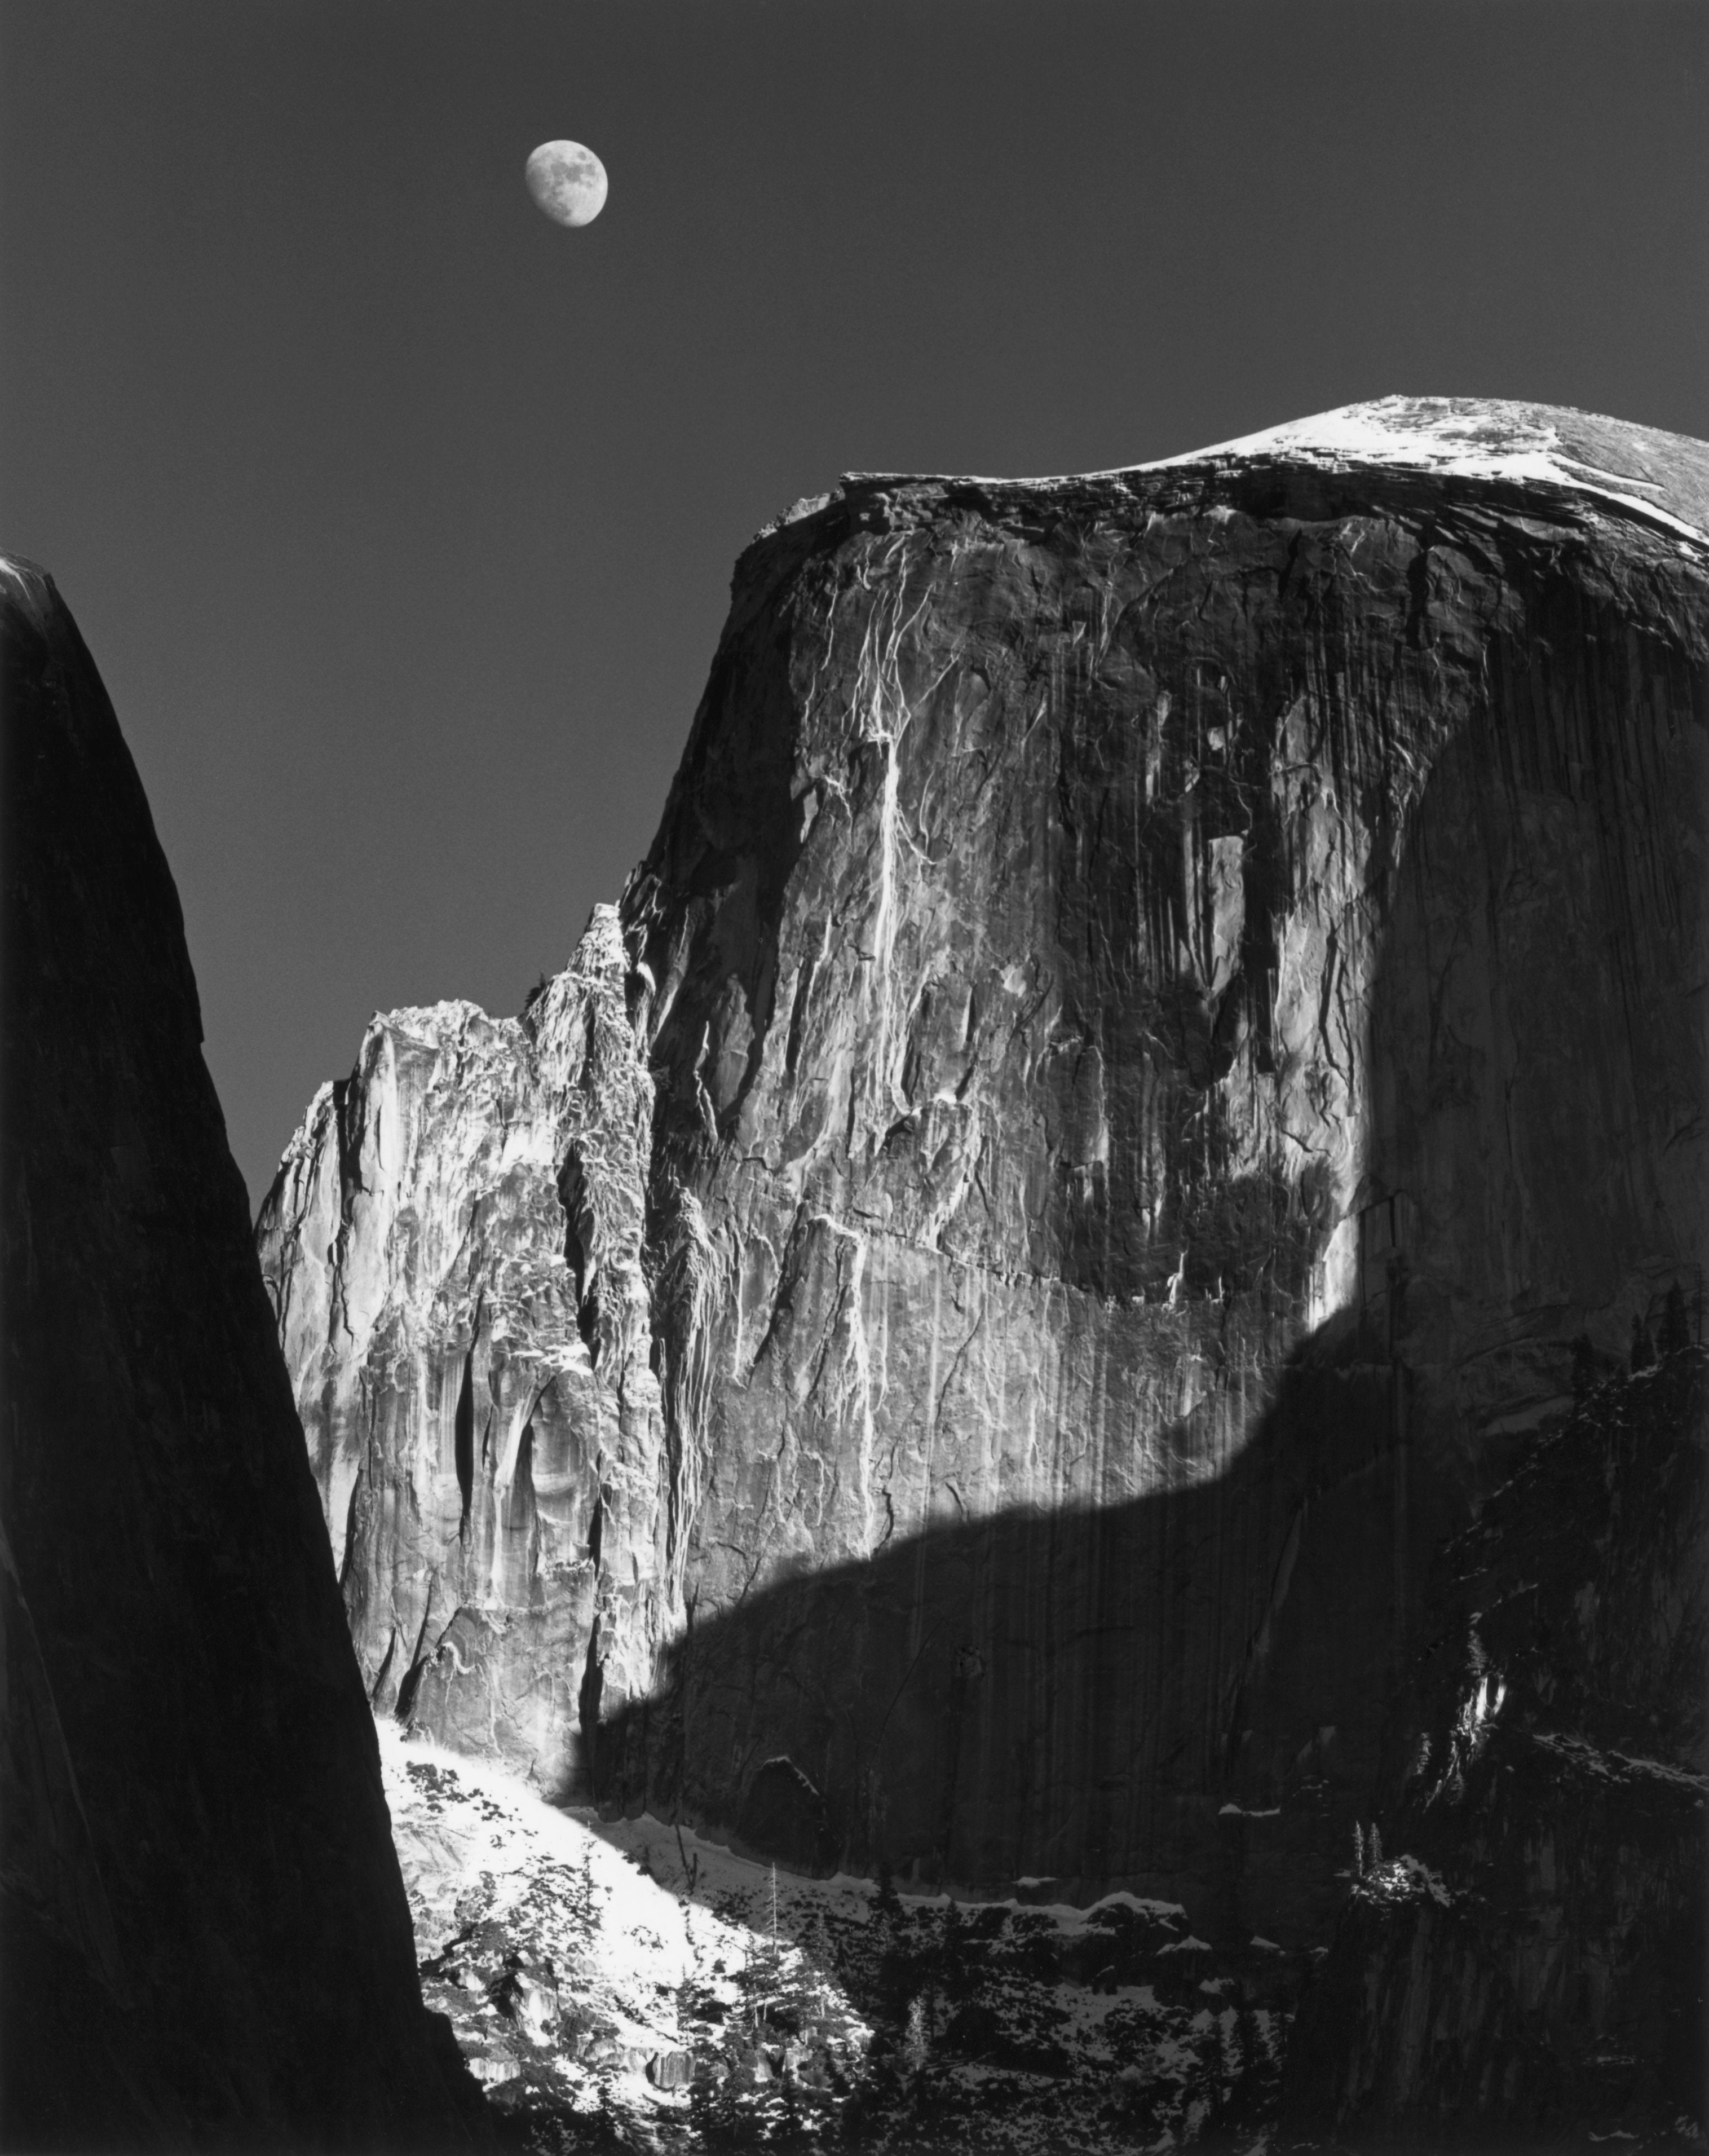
{"x": 1672, "y": 1336}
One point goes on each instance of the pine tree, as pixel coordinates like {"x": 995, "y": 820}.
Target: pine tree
{"x": 950, "y": 1947}
{"x": 917, "y": 2044}
{"x": 1643, "y": 1351}
{"x": 1358, "y": 1850}
{"x": 1583, "y": 1367}
{"x": 1376, "y": 1846}
{"x": 1675, "y": 1335}
{"x": 772, "y": 1985}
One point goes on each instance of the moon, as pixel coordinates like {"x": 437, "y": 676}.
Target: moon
{"x": 568, "y": 182}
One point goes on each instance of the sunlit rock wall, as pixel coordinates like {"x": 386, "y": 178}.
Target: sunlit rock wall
{"x": 482, "y": 1418}
{"x": 1160, "y": 1005}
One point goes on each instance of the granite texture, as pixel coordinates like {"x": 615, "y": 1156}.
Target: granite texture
{"x": 1526, "y": 1967}
{"x": 1160, "y": 1006}
{"x": 206, "y": 1940}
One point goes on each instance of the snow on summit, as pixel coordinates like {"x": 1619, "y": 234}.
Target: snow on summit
{"x": 1661, "y": 477}
{"x": 1478, "y": 438}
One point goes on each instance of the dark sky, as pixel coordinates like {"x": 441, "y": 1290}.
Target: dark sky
{"x": 400, "y": 522}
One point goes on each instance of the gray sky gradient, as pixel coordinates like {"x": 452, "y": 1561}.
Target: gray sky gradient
{"x": 400, "y": 520}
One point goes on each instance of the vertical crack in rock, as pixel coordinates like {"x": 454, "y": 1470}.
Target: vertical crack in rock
{"x": 691, "y": 1284}
{"x": 465, "y": 1440}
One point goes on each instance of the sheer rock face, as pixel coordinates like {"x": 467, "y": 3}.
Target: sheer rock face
{"x": 949, "y": 1335}
{"x": 206, "y": 1942}
{"x": 1531, "y": 1959}
{"x": 483, "y": 1419}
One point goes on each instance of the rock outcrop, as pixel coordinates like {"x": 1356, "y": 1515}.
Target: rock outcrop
{"x": 1161, "y": 1005}
{"x": 205, "y": 1939}
{"x": 1529, "y": 1961}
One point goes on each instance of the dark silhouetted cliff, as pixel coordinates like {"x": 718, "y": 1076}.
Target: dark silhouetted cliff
{"x": 206, "y": 1942}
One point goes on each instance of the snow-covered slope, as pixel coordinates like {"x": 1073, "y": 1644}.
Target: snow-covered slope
{"x": 627, "y": 1981}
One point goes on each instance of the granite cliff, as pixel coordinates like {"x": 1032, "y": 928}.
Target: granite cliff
{"x": 1527, "y": 1968}
{"x": 1161, "y": 1003}
{"x": 206, "y": 1939}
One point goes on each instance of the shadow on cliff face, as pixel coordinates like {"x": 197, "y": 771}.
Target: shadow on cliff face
{"x": 1533, "y": 1952}
{"x": 1185, "y": 1692}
